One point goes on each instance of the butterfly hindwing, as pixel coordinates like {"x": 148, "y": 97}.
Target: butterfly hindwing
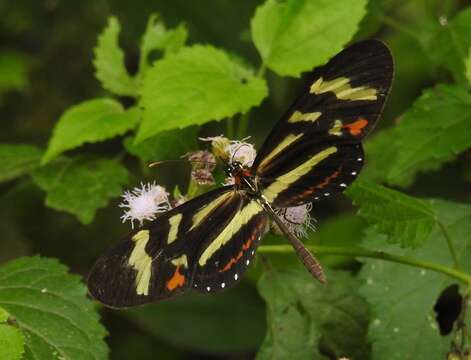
{"x": 226, "y": 256}
{"x": 315, "y": 147}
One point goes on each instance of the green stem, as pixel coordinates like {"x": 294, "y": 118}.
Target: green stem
{"x": 393, "y": 23}
{"x": 451, "y": 247}
{"x": 261, "y": 70}
{"x": 361, "y": 252}
{"x": 230, "y": 128}
{"x": 243, "y": 126}
{"x": 244, "y": 119}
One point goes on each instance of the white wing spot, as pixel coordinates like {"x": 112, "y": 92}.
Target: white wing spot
{"x": 354, "y": 172}
{"x": 316, "y": 198}
{"x": 343, "y": 185}
{"x": 223, "y": 285}
{"x": 196, "y": 285}
{"x": 253, "y": 252}
{"x": 359, "y": 159}
{"x": 247, "y": 262}
{"x": 236, "y": 277}
{"x": 326, "y": 194}
{"x": 208, "y": 288}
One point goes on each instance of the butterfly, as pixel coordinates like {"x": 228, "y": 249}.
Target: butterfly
{"x": 313, "y": 152}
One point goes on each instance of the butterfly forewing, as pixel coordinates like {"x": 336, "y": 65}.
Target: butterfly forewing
{"x": 313, "y": 174}
{"x": 321, "y": 132}
{"x": 159, "y": 260}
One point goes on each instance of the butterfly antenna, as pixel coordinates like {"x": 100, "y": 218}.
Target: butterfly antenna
{"x": 157, "y": 163}
{"x": 236, "y": 150}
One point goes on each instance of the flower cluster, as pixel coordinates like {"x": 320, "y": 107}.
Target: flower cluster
{"x": 148, "y": 200}
{"x": 297, "y": 218}
{"x": 203, "y": 163}
{"x": 232, "y": 150}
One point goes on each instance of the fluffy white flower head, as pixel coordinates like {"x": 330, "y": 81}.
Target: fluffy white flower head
{"x": 241, "y": 151}
{"x": 297, "y": 218}
{"x": 144, "y": 203}
{"x": 218, "y": 145}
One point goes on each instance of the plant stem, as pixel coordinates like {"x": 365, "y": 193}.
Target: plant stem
{"x": 361, "y": 252}
{"x": 230, "y": 128}
{"x": 452, "y": 249}
{"x": 393, "y": 23}
{"x": 244, "y": 119}
{"x": 243, "y": 125}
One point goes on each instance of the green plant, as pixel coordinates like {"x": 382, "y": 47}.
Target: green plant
{"x": 413, "y": 246}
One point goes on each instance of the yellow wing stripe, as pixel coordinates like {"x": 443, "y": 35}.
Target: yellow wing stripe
{"x": 343, "y": 90}
{"x": 299, "y": 116}
{"x": 336, "y": 129}
{"x": 284, "y": 181}
{"x": 282, "y": 145}
{"x": 206, "y": 210}
{"x": 239, "y": 220}
{"x": 141, "y": 261}
{"x": 174, "y": 224}
{"x": 180, "y": 261}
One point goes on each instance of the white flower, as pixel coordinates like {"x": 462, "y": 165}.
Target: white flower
{"x": 241, "y": 151}
{"x": 218, "y": 145}
{"x": 232, "y": 150}
{"x": 144, "y": 203}
{"x": 297, "y": 218}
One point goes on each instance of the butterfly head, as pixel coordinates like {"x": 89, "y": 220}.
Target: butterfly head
{"x": 234, "y": 169}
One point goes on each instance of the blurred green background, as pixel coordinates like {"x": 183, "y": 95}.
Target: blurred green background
{"x": 46, "y": 52}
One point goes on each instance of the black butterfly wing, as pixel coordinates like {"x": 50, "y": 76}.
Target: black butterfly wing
{"x": 226, "y": 257}
{"x": 164, "y": 258}
{"x": 315, "y": 149}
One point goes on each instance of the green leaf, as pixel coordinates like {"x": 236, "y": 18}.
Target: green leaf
{"x": 293, "y": 36}
{"x": 12, "y": 341}
{"x": 451, "y": 42}
{"x": 109, "y": 62}
{"x": 227, "y": 322}
{"x": 81, "y": 185}
{"x": 167, "y": 145}
{"x": 196, "y": 85}
{"x": 91, "y": 121}
{"x": 157, "y": 37}
{"x": 403, "y": 297}
{"x": 304, "y": 316}
{"x": 404, "y": 219}
{"x": 468, "y": 66}
{"x": 434, "y": 130}
{"x": 51, "y": 308}
{"x": 381, "y": 152}
{"x": 342, "y": 230}
{"x": 13, "y": 71}
{"x": 17, "y": 160}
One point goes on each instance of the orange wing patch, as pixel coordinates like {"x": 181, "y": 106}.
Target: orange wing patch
{"x": 355, "y": 128}
{"x": 234, "y": 260}
{"x": 177, "y": 280}
{"x": 246, "y": 246}
{"x": 310, "y": 191}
